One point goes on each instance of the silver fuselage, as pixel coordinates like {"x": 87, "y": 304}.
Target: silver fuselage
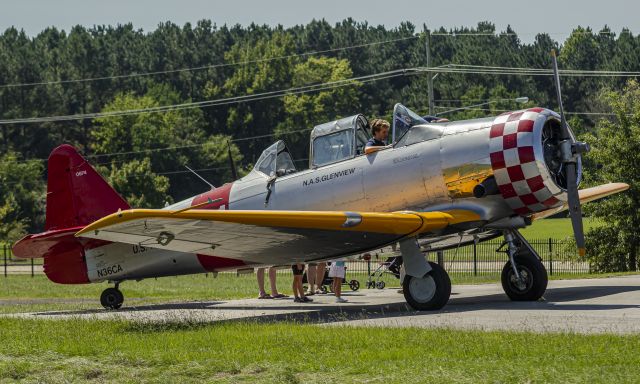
{"x": 426, "y": 176}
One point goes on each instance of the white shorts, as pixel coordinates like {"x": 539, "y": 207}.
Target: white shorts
{"x": 336, "y": 271}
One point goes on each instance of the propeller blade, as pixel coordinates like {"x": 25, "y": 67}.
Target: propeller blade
{"x": 575, "y": 211}
{"x": 570, "y": 161}
{"x": 556, "y": 77}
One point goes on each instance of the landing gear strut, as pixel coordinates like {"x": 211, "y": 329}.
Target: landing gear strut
{"x": 112, "y": 298}
{"x": 524, "y": 277}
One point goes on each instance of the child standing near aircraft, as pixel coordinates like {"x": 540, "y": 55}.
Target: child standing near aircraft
{"x": 298, "y": 290}
{"x": 337, "y": 272}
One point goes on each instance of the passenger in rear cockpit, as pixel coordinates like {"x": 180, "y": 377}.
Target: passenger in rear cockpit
{"x": 380, "y": 133}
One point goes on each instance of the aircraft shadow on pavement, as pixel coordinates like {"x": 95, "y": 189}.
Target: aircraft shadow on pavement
{"x": 139, "y": 308}
{"x": 325, "y": 313}
{"x": 360, "y": 308}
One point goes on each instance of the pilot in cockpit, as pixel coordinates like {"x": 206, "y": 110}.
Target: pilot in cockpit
{"x": 380, "y": 133}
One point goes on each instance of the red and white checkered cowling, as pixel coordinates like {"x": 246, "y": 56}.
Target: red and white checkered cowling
{"x": 517, "y": 159}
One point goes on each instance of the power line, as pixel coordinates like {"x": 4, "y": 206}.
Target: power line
{"x": 510, "y": 110}
{"x": 454, "y": 34}
{"x": 449, "y": 68}
{"x": 162, "y": 149}
{"x": 497, "y": 34}
{"x": 174, "y": 172}
{"x": 218, "y": 102}
{"x": 207, "y": 169}
{"x": 172, "y": 148}
{"x": 494, "y": 70}
{"x": 204, "y": 67}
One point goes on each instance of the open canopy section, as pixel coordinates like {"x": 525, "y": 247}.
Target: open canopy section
{"x": 410, "y": 128}
{"x": 403, "y": 120}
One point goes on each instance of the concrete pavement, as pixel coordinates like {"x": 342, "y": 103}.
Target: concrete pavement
{"x": 606, "y": 305}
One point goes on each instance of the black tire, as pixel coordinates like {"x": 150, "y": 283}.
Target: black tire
{"x": 120, "y": 299}
{"x": 380, "y": 285}
{"x": 323, "y": 289}
{"x": 535, "y": 275}
{"x": 111, "y": 298}
{"x": 354, "y": 285}
{"x": 437, "y": 299}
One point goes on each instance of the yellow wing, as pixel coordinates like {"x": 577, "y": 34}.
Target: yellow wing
{"x": 264, "y": 236}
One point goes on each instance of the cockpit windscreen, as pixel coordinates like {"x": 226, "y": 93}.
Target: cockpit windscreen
{"x": 403, "y": 119}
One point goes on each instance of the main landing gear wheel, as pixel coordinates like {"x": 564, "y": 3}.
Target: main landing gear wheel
{"x": 111, "y": 298}
{"x": 430, "y": 292}
{"x": 533, "y": 279}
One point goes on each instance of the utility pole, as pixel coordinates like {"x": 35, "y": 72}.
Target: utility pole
{"x": 429, "y": 74}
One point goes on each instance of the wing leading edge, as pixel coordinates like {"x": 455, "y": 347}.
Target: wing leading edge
{"x": 264, "y": 236}
{"x": 586, "y": 195}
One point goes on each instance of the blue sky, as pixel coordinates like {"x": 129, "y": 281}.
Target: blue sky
{"x": 527, "y": 18}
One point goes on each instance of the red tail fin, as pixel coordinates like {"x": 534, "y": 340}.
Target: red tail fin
{"x": 76, "y": 194}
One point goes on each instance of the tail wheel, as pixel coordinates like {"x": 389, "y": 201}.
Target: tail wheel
{"x": 430, "y": 292}
{"x": 532, "y": 283}
{"x": 111, "y": 298}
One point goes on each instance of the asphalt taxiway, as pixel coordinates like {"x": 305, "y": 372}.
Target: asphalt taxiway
{"x": 604, "y": 305}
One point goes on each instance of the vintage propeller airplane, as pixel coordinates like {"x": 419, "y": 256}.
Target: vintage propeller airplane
{"x": 440, "y": 185}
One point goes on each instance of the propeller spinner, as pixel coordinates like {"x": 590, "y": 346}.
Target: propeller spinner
{"x": 569, "y": 152}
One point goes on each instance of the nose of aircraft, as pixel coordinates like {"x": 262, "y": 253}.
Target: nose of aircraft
{"x": 524, "y": 155}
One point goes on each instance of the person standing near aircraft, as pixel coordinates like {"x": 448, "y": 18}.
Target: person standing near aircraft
{"x": 320, "y": 271}
{"x": 311, "y": 278}
{"x": 337, "y": 272}
{"x": 272, "y": 282}
{"x": 380, "y": 133}
{"x": 298, "y": 290}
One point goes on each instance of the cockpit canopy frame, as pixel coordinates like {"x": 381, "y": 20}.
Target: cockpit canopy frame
{"x": 338, "y": 140}
{"x": 275, "y": 160}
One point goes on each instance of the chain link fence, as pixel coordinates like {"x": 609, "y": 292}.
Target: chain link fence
{"x": 14, "y": 266}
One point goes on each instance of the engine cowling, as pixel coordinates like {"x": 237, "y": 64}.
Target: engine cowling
{"x": 525, "y": 158}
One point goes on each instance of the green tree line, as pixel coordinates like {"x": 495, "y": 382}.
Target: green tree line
{"x": 38, "y": 78}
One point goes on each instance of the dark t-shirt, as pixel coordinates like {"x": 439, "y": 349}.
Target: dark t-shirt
{"x": 373, "y": 142}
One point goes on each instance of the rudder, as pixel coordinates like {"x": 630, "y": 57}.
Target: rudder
{"x": 76, "y": 194}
